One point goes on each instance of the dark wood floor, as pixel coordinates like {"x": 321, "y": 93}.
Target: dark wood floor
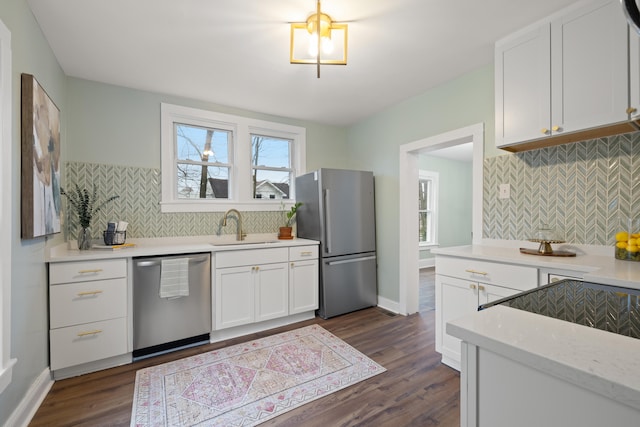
{"x": 416, "y": 389}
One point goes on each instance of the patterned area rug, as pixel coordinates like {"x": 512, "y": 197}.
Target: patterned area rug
{"x": 247, "y": 384}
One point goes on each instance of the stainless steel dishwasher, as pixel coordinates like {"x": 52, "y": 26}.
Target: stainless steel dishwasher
{"x": 162, "y": 323}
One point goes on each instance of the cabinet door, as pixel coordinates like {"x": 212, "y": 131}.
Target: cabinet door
{"x": 634, "y": 75}
{"x": 489, "y": 293}
{"x": 523, "y": 81}
{"x": 234, "y": 296}
{"x": 589, "y": 59}
{"x": 454, "y": 298}
{"x": 272, "y": 291}
{"x": 303, "y": 286}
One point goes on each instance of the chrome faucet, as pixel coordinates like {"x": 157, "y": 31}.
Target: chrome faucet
{"x": 239, "y": 234}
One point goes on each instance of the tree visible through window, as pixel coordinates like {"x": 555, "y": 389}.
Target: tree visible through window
{"x": 202, "y": 161}
{"x": 427, "y": 205}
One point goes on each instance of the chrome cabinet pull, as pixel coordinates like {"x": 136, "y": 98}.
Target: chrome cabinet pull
{"x": 472, "y": 271}
{"x": 86, "y": 293}
{"x": 95, "y": 270}
{"x": 87, "y": 333}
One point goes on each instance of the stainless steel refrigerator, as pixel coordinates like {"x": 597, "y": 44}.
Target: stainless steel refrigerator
{"x": 338, "y": 210}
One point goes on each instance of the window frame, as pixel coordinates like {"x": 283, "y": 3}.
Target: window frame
{"x": 240, "y": 189}
{"x": 433, "y": 177}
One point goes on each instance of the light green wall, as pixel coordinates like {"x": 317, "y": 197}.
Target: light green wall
{"x": 113, "y": 125}
{"x": 454, "y": 199}
{"x": 29, "y": 325}
{"x": 119, "y": 126}
{"x": 374, "y": 145}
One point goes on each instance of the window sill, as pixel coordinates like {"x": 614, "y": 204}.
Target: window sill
{"x": 220, "y": 206}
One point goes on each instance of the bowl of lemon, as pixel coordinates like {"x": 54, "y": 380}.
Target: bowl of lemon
{"x": 627, "y": 246}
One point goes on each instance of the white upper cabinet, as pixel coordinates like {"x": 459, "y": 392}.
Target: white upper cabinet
{"x": 565, "y": 74}
{"x": 523, "y": 81}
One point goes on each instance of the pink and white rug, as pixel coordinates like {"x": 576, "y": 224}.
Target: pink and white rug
{"x": 247, "y": 384}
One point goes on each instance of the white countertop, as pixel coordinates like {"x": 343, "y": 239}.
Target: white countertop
{"x": 174, "y": 245}
{"x": 604, "y": 362}
{"x": 597, "y": 264}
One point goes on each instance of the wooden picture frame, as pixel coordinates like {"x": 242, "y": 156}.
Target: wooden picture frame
{"x": 40, "y": 196}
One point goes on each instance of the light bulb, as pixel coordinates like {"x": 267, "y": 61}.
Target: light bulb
{"x": 327, "y": 45}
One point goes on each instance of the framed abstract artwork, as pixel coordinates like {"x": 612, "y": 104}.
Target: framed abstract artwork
{"x": 40, "y": 196}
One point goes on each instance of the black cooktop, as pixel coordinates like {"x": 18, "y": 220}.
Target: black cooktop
{"x": 609, "y": 308}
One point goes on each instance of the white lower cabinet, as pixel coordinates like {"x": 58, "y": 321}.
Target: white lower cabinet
{"x": 464, "y": 284}
{"x": 251, "y": 294}
{"x": 256, "y": 285}
{"x": 87, "y": 312}
{"x": 303, "y": 279}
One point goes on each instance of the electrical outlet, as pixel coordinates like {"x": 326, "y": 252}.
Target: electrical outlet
{"x": 505, "y": 191}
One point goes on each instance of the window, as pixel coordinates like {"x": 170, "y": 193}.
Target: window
{"x": 271, "y": 169}
{"x": 213, "y": 161}
{"x": 427, "y": 208}
{"x": 203, "y": 163}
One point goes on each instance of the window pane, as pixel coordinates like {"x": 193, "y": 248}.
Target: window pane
{"x": 422, "y": 228}
{"x": 202, "y": 144}
{"x": 270, "y": 184}
{"x": 270, "y": 152}
{"x": 423, "y": 194}
{"x": 202, "y": 182}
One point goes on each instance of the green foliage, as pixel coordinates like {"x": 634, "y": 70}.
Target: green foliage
{"x": 85, "y": 203}
{"x": 292, "y": 213}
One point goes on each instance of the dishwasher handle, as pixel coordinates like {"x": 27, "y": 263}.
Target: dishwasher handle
{"x": 156, "y": 261}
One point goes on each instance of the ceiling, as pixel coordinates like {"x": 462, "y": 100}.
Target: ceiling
{"x": 236, "y": 52}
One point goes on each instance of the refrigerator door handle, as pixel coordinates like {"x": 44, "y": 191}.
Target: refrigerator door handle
{"x": 327, "y": 222}
{"x": 347, "y": 261}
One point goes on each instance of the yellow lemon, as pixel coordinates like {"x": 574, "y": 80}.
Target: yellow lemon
{"x": 632, "y": 249}
{"x": 621, "y": 245}
{"x": 635, "y": 235}
{"x": 632, "y": 242}
{"x": 622, "y": 236}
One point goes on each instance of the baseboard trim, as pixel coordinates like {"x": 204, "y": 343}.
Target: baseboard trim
{"x": 389, "y": 305}
{"x": 427, "y": 262}
{"x": 26, "y": 409}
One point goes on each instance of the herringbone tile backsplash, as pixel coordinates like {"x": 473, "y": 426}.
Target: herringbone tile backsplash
{"x": 583, "y": 190}
{"x": 139, "y": 204}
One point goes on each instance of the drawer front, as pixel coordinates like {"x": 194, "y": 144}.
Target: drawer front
{"x": 301, "y": 253}
{"x": 82, "y": 271}
{"x": 251, "y": 257}
{"x": 87, "y": 343}
{"x": 77, "y": 303}
{"x": 507, "y": 275}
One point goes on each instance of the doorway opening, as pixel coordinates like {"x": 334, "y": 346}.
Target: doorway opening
{"x": 409, "y": 172}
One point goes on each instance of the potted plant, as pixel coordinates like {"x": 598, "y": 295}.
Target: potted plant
{"x": 285, "y": 232}
{"x": 85, "y": 206}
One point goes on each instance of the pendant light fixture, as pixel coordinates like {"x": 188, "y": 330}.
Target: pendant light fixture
{"x": 319, "y": 41}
